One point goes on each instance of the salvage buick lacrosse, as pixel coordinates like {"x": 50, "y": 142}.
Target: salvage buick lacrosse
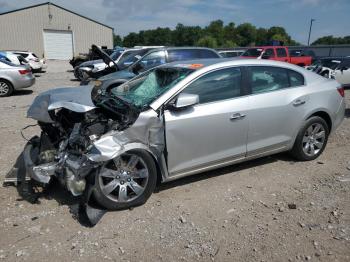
{"x": 176, "y": 120}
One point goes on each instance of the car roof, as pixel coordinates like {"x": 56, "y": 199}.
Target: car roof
{"x": 239, "y": 61}
{"x": 267, "y": 46}
{"x": 183, "y": 47}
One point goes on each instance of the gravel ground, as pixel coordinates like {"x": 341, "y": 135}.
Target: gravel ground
{"x": 271, "y": 209}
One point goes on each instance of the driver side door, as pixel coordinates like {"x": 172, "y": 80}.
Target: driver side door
{"x": 212, "y": 133}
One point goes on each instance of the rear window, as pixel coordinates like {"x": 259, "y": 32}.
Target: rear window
{"x": 188, "y": 54}
{"x": 253, "y": 52}
{"x": 182, "y": 54}
{"x": 204, "y": 53}
{"x": 23, "y": 54}
{"x": 267, "y": 78}
{"x": 295, "y": 78}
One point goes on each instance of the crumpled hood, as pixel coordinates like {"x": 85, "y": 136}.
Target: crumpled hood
{"x": 77, "y": 99}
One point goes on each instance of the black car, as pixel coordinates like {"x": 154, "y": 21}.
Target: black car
{"x": 155, "y": 58}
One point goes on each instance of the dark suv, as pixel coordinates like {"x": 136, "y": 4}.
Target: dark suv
{"x": 155, "y": 58}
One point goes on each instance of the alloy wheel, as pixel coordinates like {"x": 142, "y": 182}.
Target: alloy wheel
{"x": 124, "y": 178}
{"x": 4, "y": 88}
{"x": 314, "y": 139}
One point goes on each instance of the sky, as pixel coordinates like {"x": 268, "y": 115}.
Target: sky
{"x": 125, "y": 16}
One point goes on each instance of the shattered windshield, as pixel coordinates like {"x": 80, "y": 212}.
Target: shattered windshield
{"x": 144, "y": 89}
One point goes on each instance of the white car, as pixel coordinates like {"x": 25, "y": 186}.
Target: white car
{"x": 342, "y": 72}
{"x": 14, "y": 58}
{"x": 33, "y": 60}
{"x": 231, "y": 53}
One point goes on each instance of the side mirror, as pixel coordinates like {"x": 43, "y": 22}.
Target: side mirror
{"x": 185, "y": 100}
{"x": 344, "y": 68}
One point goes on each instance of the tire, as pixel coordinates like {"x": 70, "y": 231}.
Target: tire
{"x": 311, "y": 141}
{"x": 325, "y": 74}
{"x": 6, "y": 88}
{"x": 78, "y": 74}
{"x": 110, "y": 176}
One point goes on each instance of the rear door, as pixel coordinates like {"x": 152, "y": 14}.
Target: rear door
{"x": 270, "y": 53}
{"x": 213, "y": 131}
{"x": 281, "y": 54}
{"x": 277, "y": 108}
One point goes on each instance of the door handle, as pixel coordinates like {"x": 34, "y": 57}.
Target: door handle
{"x": 237, "y": 116}
{"x": 299, "y": 102}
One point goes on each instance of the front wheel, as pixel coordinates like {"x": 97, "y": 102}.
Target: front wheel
{"x": 311, "y": 139}
{"x": 126, "y": 181}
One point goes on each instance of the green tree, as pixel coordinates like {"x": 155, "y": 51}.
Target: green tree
{"x": 230, "y": 33}
{"x": 216, "y": 30}
{"x": 186, "y": 35}
{"x": 331, "y": 40}
{"x": 228, "y": 44}
{"x": 131, "y": 40}
{"x": 207, "y": 41}
{"x": 279, "y": 33}
{"x": 216, "y": 34}
{"x": 246, "y": 34}
{"x": 117, "y": 40}
{"x": 261, "y": 36}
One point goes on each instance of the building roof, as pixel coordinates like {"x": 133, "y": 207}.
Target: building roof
{"x": 49, "y": 3}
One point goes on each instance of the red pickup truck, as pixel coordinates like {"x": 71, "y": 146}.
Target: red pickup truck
{"x": 278, "y": 53}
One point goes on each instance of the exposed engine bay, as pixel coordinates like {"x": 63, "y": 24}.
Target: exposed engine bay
{"x": 63, "y": 144}
{"x": 69, "y": 131}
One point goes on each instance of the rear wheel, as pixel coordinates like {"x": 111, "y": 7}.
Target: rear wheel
{"x": 311, "y": 140}
{"x": 6, "y": 88}
{"x": 126, "y": 181}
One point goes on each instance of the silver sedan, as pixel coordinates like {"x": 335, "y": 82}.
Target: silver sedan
{"x": 14, "y": 77}
{"x": 181, "y": 119}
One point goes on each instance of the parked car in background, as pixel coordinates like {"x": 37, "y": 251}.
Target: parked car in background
{"x": 155, "y": 58}
{"x": 324, "y": 66}
{"x": 98, "y": 68}
{"x": 231, "y": 53}
{"x": 302, "y": 52}
{"x": 177, "y": 120}
{"x": 35, "y": 63}
{"x": 77, "y": 60}
{"x": 14, "y": 77}
{"x": 278, "y": 53}
{"x": 14, "y": 58}
{"x": 341, "y": 72}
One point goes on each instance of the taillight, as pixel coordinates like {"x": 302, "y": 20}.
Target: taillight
{"x": 24, "y": 71}
{"x": 341, "y": 91}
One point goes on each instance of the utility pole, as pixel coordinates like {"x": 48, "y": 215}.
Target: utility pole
{"x": 308, "y": 40}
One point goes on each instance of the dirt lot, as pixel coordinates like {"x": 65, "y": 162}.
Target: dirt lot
{"x": 239, "y": 213}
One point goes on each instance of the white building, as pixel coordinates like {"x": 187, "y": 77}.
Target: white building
{"x": 51, "y": 31}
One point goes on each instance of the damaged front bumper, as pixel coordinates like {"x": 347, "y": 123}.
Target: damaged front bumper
{"x": 40, "y": 173}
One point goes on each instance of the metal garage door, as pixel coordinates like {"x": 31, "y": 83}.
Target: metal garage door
{"x": 58, "y": 44}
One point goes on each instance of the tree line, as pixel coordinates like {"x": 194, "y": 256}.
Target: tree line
{"x": 215, "y": 35}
